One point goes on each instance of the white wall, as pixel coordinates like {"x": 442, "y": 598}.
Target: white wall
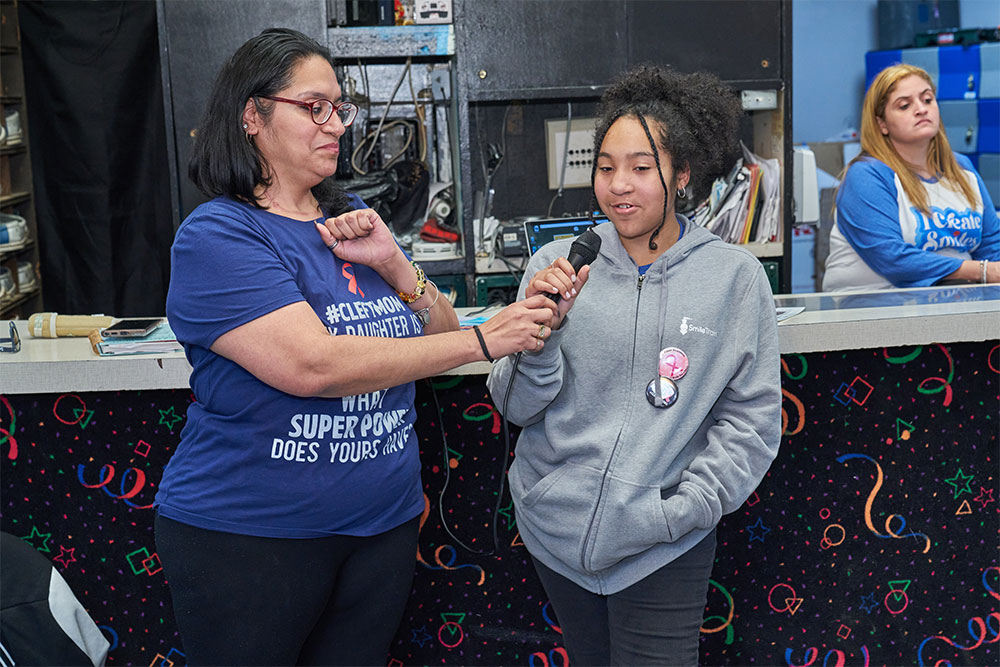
{"x": 979, "y": 13}
{"x": 829, "y": 42}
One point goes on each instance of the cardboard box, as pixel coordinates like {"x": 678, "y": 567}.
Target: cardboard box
{"x": 831, "y": 156}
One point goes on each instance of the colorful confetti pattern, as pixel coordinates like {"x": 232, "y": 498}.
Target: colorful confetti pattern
{"x": 873, "y": 540}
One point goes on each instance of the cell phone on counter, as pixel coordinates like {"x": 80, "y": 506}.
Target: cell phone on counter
{"x": 132, "y": 327}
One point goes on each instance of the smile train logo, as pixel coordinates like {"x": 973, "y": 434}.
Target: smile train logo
{"x": 685, "y": 328}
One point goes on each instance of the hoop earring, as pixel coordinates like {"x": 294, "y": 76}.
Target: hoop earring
{"x": 682, "y": 193}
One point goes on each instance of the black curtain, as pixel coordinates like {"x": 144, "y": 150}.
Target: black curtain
{"x": 99, "y": 155}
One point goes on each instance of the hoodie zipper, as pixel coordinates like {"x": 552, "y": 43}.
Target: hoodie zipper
{"x": 614, "y": 450}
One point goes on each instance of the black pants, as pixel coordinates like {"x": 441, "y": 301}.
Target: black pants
{"x": 242, "y": 600}
{"x": 655, "y": 621}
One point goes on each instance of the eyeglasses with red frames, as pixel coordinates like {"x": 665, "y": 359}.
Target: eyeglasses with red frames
{"x": 322, "y": 109}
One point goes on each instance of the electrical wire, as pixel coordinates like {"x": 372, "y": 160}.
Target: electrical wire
{"x": 419, "y": 111}
{"x": 562, "y": 171}
{"x": 364, "y": 79}
{"x": 495, "y": 551}
{"x": 373, "y": 136}
{"x": 385, "y": 113}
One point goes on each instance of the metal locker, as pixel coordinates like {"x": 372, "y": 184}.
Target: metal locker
{"x": 989, "y": 126}
{"x": 958, "y": 77}
{"x": 989, "y": 169}
{"x": 926, "y": 58}
{"x": 961, "y": 123}
{"x": 989, "y": 70}
{"x": 876, "y": 61}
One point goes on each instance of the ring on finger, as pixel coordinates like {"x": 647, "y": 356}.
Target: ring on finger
{"x": 333, "y": 245}
{"x": 538, "y": 343}
{"x": 541, "y": 332}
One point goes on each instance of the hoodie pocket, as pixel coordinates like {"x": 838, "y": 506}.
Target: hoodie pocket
{"x": 630, "y": 522}
{"x": 556, "y": 509}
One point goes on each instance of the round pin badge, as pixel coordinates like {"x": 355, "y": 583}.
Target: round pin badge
{"x": 673, "y": 363}
{"x": 661, "y": 392}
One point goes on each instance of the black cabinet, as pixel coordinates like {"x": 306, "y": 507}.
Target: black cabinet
{"x": 518, "y": 48}
{"x": 559, "y": 48}
{"x": 740, "y": 41}
{"x": 196, "y": 38}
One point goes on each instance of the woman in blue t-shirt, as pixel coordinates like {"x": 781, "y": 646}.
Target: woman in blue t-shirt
{"x": 910, "y": 212}
{"x": 287, "y": 518}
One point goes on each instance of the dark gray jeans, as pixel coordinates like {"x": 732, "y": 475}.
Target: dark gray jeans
{"x": 655, "y": 621}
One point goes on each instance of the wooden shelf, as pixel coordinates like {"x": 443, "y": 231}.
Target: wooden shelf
{"x": 773, "y": 249}
{"x": 6, "y": 254}
{"x": 14, "y": 198}
{"x": 440, "y": 267}
{"x": 9, "y": 305}
{"x": 392, "y": 41}
{"x": 13, "y": 149}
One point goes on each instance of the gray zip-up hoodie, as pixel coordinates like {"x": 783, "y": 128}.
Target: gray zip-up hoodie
{"x": 608, "y": 488}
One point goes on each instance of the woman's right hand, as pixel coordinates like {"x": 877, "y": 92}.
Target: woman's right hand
{"x": 359, "y": 236}
{"x": 522, "y": 326}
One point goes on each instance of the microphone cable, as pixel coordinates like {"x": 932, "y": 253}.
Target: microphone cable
{"x": 583, "y": 251}
{"x": 495, "y": 551}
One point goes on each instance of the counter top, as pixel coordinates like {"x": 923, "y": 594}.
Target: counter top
{"x": 60, "y": 365}
{"x": 841, "y": 321}
{"x": 889, "y": 318}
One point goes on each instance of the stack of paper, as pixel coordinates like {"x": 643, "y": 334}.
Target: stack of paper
{"x": 770, "y": 198}
{"x": 160, "y": 340}
{"x": 744, "y": 206}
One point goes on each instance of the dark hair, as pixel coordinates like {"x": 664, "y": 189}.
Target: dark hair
{"x": 697, "y": 123}
{"x": 224, "y": 162}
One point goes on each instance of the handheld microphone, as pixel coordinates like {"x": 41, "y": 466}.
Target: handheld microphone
{"x": 53, "y": 325}
{"x": 583, "y": 251}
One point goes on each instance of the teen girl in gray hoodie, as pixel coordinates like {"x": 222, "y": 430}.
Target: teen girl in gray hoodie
{"x": 655, "y": 407}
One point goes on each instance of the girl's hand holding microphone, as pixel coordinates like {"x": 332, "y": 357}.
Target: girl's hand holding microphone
{"x": 561, "y": 282}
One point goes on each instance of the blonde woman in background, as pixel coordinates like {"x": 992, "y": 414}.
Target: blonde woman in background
{"x": 910, "y": 212}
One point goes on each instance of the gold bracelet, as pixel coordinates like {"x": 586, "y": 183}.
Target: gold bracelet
{"x": 418, "y": 291}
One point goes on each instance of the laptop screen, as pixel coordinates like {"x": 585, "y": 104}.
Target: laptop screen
{"x": 540, "y": 232}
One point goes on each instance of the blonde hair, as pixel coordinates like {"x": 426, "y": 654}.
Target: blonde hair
{"x": 940, "y": 158}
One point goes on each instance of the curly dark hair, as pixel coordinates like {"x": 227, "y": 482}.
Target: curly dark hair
{"x": 697, "y": 121}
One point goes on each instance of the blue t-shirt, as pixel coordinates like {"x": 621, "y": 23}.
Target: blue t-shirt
{"x": 253, "y": 459}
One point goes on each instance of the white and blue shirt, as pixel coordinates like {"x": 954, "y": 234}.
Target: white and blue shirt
{"x": 252, "y": 459}
{"x": 881, "y": 240}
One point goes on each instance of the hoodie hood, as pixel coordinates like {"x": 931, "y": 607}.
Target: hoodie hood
{"x": 694, "y": 237}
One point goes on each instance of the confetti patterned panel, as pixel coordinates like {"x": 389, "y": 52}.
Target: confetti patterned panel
{"x": 79, "y": 473}
{"x": 873, "y": 540}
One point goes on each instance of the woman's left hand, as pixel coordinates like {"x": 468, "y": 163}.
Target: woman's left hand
{"x": 359, "y": 236}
